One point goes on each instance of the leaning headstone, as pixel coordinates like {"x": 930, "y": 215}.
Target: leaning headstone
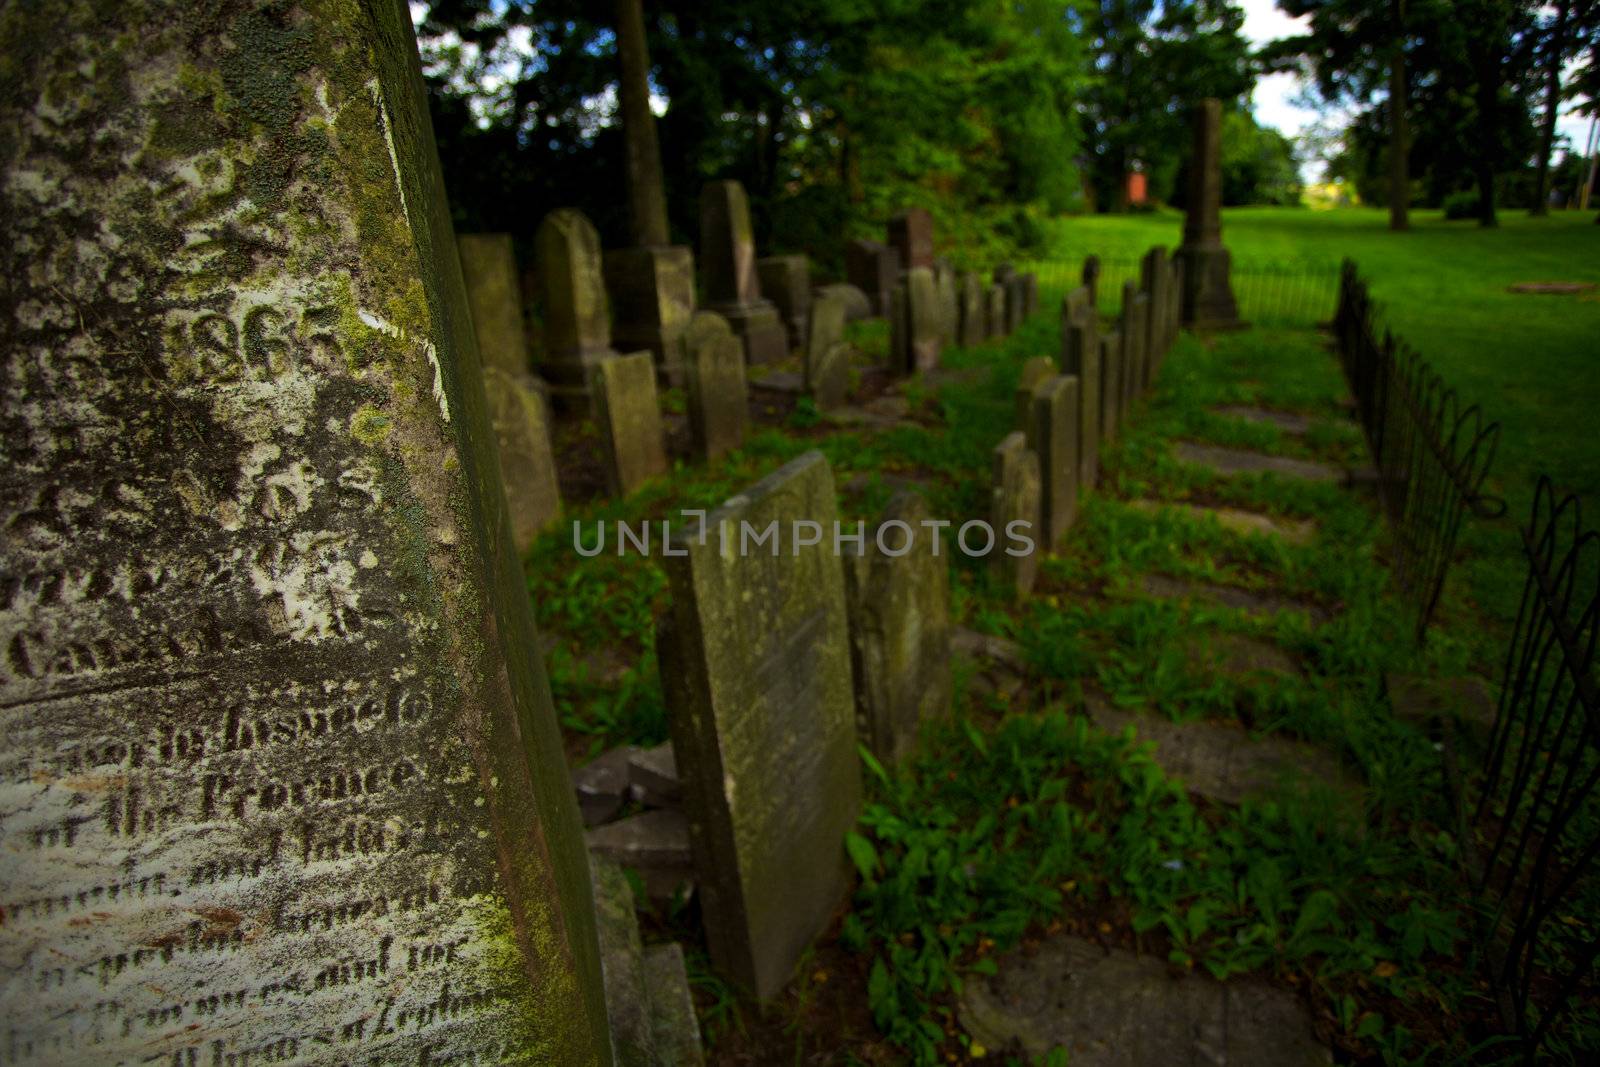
{"x": 521, "y": 425}
{"x": 728, "y": 260}
{"x": 283, "y": 778}
{"x": 995, "y": 311}
{"x": 1034, "y": 373}
{"x": 827, "y": 364}
{"x": 1014, "y": 507}
{"x": 949, "y": 286}
{"x": 1131, "y": 327}
{"x": 652, "y": 298}
{"x": 494, "y": 296}
{"x": 911, "y": 236}
{"x": 1208, "y": 301}
{"x": 1091, "y": 279}
{"x": 786, "y": 281}
{"x": 1030, "y": 293}
{"x": 630, "y": 421}
{"x": 1110, "y": 384}
{"x": 922, "y": 321}
{"x": 873, "y": 268}
{"x": 974, "y": 308}
{"x": 1053, "y": 437}
{"x": 1080, "y": 357}
{"x": 719, "y": 405}
{"x": 577, "y": 315}
{"x": 755, "y": 664}
{"x": 899, "y": 601}
{"x": 856, "y": 304}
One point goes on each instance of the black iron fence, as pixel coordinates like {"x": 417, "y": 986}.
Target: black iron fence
{"x": 1432, "y": 455}
{"x": 1269, "y": 292}
{"x": 1536, "y": 820}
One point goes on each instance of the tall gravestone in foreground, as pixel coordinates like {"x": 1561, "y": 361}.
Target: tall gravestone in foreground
{"x": 728, "y": 260}
{"x": 1208, "y": 302}
{"x": 755, "y": 663}
{"x": 577, "y": 315}
{"x": 284, "y": 782}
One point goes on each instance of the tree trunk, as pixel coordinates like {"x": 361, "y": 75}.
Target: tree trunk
{"x": 1556, "y": 48}
{"x": 1399, "y": 172}
{"x": 647, "y": 197}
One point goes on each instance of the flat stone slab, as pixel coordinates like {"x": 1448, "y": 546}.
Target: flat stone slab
{"x": 1240, "y": 461}
{"x": 784, "y": 381}
{"x": 1551, "y": 288}
{"x": 1241, "y": 657}
{"x": 1466, "y": 702}
{"x": 1113, "y": 1008}
{"x": 653, "y": 777}
{"x": 1220, "y": 761}
{"x": 1249, "y": 601}
{"x": 602, "y": 785}
{"x": 653, "y": 844}
{"x": 673, "y": 1025}
{"x": 1237, "y": 520}
{"x": 863, "y": 418}
{"x": 1287, "y": 421}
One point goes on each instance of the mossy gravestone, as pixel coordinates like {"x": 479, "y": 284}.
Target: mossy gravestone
{"x": 630, "y": 421}
{"x": 577, "y": 313}
{"x": 284, "y": 783}
{"x": 755, "y": 663}
{"x": 899, "y": 596}
{"x": 719, "y": 405}
{"x": 922, "y": 320}
{"x": 521, "y": 423}
{"x": 732, "y": 285}
{"x": 1053, "y": 437}
{"x": 494, "y": 296}
{"x": 827, "y": 362}
{"x": 1015, "y": 499}
{"x": 974, "y": 306}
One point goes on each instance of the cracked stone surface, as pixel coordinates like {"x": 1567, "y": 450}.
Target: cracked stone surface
{"x": 1220, "y": 760}
{"x": 1242, "y": 461}
{"x": 1250, "y": 601}
{"x": 1287, "y": 421}
{"x": 1237, "y": 520}
{"x": 1113, "y": 1008}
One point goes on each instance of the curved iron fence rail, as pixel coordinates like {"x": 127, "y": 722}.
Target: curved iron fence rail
{"x": 1432, "y": 455}
{"x": 1537, "y": 815}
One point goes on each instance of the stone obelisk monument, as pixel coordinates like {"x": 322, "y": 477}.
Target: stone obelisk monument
{"x": 1208, "y": 302}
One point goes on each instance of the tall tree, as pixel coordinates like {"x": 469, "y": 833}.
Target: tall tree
{"x": 1399, "y": 129}
{"x": 1568, "y": 33}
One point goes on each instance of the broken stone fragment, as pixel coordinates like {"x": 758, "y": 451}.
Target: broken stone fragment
{"x": 653, "y": 776}
{"x": 651, "y": 839}
{"x": 602, "y": 785}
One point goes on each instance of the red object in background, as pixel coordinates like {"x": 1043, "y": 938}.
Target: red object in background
{"x": 1137, "y": 191}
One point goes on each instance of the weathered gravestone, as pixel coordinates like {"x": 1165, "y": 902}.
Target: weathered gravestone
{"x": 1035, "y": 372}
{"x": 786, "y": 281}
{"x": 1091, "y": 279}
{"x": 994, "y": 311}
{"x": 1016, "y": 302}
{"x": 1052, "y": 433}
{"x": 719, "y": 405}
{"x": 922, "y": 318}
{"x": 521, "y": 424}
{"x": 827, "y": 362}
{"x": 911, "y": 236}
{"x": 626, "y": 410}
{"x": 973, "y": 310}
{"x": 755, "y": 664}
{"x": 1080, "y": 357}
{"x": 283, "y": 779}
{"x": 873, "y": 268}
{"x": 1111, "y": 372}
{"x": 577, "y": 315}
{"x": 944, "y": 277}
{"x": 1131, "y": 327}
{"x": 856, "y": 304}
{"x": 1014, "y": 506}
{"x": 1208, "y": 301}
{"x": 728, "y": 260}
{"x": 899, "y": 600}
{"x": 494, "y": 297}
{"x": 1030, "y": 293}
{"x": 652, "y": 297}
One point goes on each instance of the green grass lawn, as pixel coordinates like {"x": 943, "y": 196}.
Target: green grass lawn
{"x": 1531, "y": 362}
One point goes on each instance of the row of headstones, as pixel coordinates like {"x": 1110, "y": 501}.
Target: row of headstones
{"x": 706, "y": 351}
{"x": 765, "y": 653}
{"x": 1069, "y": 406}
